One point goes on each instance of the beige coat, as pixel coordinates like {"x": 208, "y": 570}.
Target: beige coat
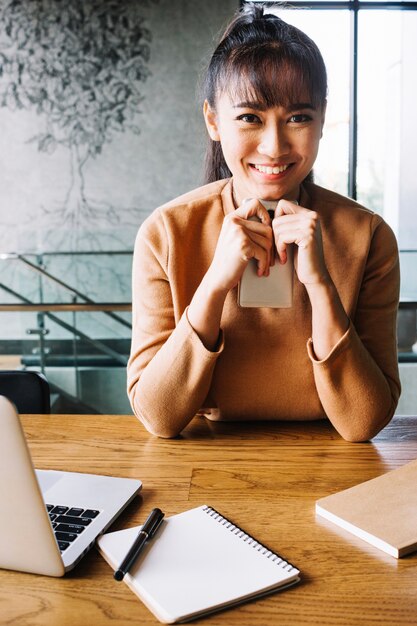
{"x": 265, "y": 367}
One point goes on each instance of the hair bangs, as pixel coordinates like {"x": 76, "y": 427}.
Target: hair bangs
{"x": 271, "y": 77}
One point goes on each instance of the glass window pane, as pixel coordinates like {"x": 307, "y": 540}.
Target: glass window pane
{"x": 331, "y": 32}
{"x": 387, "y": 124}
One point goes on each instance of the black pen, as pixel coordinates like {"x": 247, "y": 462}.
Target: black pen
{"x": 146, "y": 532}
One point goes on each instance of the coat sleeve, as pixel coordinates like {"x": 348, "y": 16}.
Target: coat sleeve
{"x": 169, "y": 370}
{"x": 358, "y": 382}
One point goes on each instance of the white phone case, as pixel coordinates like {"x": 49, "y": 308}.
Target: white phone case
{"x": 273, "y": 291}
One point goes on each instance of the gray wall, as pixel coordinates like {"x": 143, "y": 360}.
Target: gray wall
{"x": 173, "y": 134}
{"x": 133, "y": 173}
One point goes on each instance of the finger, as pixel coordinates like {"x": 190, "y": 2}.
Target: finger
{"x": 281, "y": 248}
{"x": 302, "y": 240}
{"x": 262, "y": 258}
{"x": 260, "y": 249}
{"x": 251, "y": 207}
{"x": 264, "y": 228}
{"x": 285, "y": 236}
{"x": 286, "y": 207}
{"x": 253, "y": 225}
{"x": 292, "y": 218}
{"x": 305, "y": 216}
{"x": 251, "y": 252}
{"x": 299, "y": 229}
{"x": 265, "y": 242}
{"x": 265, "y": 231}
{"x": 260, "y": 234}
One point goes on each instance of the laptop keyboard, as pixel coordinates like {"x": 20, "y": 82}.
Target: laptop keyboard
{"x": 69, "y": 522}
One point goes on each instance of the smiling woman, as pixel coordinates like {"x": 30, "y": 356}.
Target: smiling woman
{"x": 332, "y": 355}
{"x": 269, "y": 149}
{"x": 281, "y": 71}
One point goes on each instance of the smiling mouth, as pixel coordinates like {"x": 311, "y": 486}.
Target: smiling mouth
{"x": 266, "y": 169}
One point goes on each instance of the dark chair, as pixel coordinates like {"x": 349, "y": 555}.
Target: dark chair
{"x": 29, "y": 391}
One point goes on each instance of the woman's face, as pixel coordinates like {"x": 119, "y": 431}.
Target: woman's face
{"x": 268, "y": 150}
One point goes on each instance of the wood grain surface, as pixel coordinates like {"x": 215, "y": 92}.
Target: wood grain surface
{"x": 264, "y": 476}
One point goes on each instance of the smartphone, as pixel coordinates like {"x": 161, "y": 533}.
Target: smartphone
{"x": 273, "y": 291}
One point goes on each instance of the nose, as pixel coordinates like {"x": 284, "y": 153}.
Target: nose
{"x": 273, "y": 141}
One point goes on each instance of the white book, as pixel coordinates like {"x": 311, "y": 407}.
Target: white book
{"x": 198, "y": 563}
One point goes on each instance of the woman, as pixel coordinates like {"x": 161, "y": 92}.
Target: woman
{"x": 194, "y": 350}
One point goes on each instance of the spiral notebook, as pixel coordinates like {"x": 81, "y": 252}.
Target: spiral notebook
{"x": 198, "y": 563}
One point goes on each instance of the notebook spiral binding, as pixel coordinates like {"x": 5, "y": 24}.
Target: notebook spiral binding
{"x": 249, "y": 539}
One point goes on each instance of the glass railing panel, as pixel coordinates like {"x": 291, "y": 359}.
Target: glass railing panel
{"x": 407, "y": 333}
{"x": 19, "y": 283}
{"x": 59, "y": 277}
{"x": 75, "y": 346}
{"x": 87, "y": 374}
{"x": 103, "y": 277}
{"x": 408, "y": 265}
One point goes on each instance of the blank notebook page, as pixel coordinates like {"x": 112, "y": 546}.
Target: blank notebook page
{"x": 197, "y": 561}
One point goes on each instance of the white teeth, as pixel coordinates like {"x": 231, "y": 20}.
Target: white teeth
{"x": 271, "y": 170}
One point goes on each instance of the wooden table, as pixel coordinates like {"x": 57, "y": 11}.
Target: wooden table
{"x": 264, "y": 476}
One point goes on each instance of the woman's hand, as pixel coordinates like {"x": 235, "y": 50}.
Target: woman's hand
{"x": 294, "y": 224}
{"x": 240, "y": 240}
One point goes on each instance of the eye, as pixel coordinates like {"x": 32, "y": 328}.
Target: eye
{"x": 300, "y": 118}
{"x": 249, "y": 118}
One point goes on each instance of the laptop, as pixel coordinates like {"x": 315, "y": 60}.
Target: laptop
{"x": 50, "y": 519}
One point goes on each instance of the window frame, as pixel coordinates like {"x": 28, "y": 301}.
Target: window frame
{"x": 354, "y": 6}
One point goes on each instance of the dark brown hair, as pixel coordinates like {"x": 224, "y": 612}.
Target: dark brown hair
{"x": 260, "y": 57}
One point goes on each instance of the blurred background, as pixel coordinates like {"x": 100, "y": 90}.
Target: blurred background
{"x": 100, "y": 123}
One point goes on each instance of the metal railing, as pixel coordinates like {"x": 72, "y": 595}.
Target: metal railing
{"x": 73, "y": 293}
{"x": 78, "y": 301}
{"x": 49, "y": 296}
{"x": 99, "y": 345}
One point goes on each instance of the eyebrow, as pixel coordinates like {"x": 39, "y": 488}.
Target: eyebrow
{"x": 258, "y": 106}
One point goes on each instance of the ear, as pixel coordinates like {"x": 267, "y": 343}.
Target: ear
{"x": 211, "y": 121}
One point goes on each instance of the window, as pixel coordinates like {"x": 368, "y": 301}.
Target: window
{"x": 367, "y": 150}
{"x": 368, "y": 145}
